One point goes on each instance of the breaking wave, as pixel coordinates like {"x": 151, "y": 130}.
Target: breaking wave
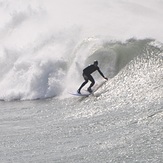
{"x": 41, "y": 76}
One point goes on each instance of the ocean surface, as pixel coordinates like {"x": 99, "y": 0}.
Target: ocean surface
{"x": 45, "y": 45}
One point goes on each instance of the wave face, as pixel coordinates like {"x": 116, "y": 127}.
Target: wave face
{"x": 45, "y": 45}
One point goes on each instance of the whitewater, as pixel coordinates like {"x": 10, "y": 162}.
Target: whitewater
{"x": 45, "y": 45}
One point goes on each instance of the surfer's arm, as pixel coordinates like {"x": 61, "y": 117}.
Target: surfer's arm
{"x": 102, "y": 74}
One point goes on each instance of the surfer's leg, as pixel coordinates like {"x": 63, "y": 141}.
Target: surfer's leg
{"x": 84, "y": 83}
{"x": 92, "y": 83}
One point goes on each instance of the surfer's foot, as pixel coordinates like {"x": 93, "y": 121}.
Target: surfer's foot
{"x": 78, "y": 91}
{"x": 89, "y": 90}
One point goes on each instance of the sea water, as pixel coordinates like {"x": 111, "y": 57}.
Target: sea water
{"x": 45, "y": 45}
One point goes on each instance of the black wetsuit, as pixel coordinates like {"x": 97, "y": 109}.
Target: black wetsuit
{"x": 90, "y": 69}
{"x": 87, "y": 75}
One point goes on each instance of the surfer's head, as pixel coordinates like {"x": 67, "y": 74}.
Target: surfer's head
{"x": 95, "y": 63}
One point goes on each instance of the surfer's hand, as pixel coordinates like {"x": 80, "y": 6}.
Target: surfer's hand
{"x": 106, "y": 78}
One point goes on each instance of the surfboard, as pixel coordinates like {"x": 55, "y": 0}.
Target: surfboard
{"x": 80, "y": 94}
{"x": 85, "y": 93}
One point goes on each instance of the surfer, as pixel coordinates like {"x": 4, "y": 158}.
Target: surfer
{"x": 88, "y": 77}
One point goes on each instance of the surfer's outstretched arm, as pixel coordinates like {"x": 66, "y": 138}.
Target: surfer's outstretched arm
{"x": 102, "y": 74}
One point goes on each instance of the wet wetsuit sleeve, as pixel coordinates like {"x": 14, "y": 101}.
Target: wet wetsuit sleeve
{"x": 101, "y": 73}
